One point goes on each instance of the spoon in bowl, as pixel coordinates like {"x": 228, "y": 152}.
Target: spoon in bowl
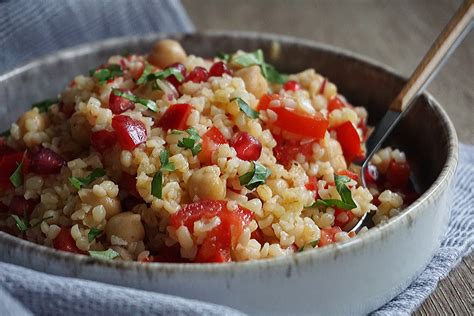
{"x": 451, "y": 36}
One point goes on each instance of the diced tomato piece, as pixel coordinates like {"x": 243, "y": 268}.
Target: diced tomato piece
{"x": 65, "y": 242}
{"x": 371, "y": 174}
{"x": 342, "y": 217}
{"x": 328, "y": 235}
{"x": 218, "y": 69}
{"x": 128, "y": 183}
{"x": 103, "y": 140}
{"x": 9, "y": 161}
{"x": 348, "y": 173}
{"x": 45, "y": 161}
{"x": 286, "y": 150}
{"x": 312, "y": 183}
{"x": 218, "y": 243}
{"x": 304, "y": 125}
{"x": 210, "y": 142}
{"x": 172, "y": 79}
{"x": 335, "y": 104}
{"x": 175, "y": 116}
{"x": 258, "y": 236}
{"x": 247, "y": 147}
{"x": 197, "y": 75}
{"x": 265, "y": 100}
{"x": 130, "y": 132}
{"x": 169, "y": 254}
{"x": 349, "y": 139}
{"x": 398, "y": 174}
{"x": 118, "y": 104}
{"x": 19, "y": 205}
{"x": 291, "y": 86}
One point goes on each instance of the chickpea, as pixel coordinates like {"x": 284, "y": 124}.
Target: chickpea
{"x": 80, "y": 129}
{"x": 127, "y": 226}
{"x": 32, "y": 121}
{"x": 254, "y": 81}
{"x": 112, "y": 205}
{"x": 206, "y": 184}
{"x": 167, "y": 52}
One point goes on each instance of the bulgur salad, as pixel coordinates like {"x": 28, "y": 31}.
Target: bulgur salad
{"x": 170, "y": 157}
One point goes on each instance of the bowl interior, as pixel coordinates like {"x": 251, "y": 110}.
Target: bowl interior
{"x": 362, "y": 83}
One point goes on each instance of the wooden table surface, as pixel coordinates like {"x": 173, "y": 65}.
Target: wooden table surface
{"x": 397, "y": 33}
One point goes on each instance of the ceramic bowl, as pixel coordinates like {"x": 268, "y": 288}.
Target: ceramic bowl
{"x": 353, "y": 277}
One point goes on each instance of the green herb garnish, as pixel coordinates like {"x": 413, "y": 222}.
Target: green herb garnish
{"x": 105, "y": 74}
{"x": 148, "y": 103}
{"x": 108, "y": 254}
{"x": 244, "y": 107}
{"x": 312, "y": 244}
{"x": 164, "y": 159}
{"x": 44, "y": 105}
{"x": 21, "y": 223}
{"x": 93, "y": 232}
{"x": 160, "y": 75}
{"x": 255, "y": 177}
{"x": 223, "y": 56}
{"x": 146, "y": 72}
{"x": 80, "y": 182}
{"x": 256, "y": 58}
{"x": 5, "y": 133}
{"x": 17, "y": 177}
{"x": 157, "y": 185}
{"x": 191, "y": 142}
{"x": 346, "y": 202}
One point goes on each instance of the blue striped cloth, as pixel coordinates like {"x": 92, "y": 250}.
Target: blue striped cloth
{"x": 29, "y": 29}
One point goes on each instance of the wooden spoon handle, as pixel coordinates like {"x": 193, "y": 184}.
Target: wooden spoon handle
{"x": 451, "y": 35}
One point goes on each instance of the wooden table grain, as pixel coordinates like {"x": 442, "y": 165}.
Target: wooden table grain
{"x": 395, "y": 32}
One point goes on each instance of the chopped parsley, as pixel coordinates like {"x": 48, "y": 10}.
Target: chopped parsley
{"x": 93, "y": 232}
{"x": 21, "y": 223}
{"x": 146, "y": 72}
{"x": 164, "y": 159}
{"x": 5, "y": 133}
{"x": 157, "y": 185}
{"x": 80, "y": 182}
{"x": 256, "y": 58}
{"x": 147, "y": 76}
{"x": 191, "y": 142}
{"x": 244, "y": 107}
{"x": 107, "y": 73}
{"x": 223, "y": 56}
{"x": 17, "y": 177}
{"x": 44, "y": 105}
{"x": 148, "y": 103}
{"x": 346, "y": 202}
{"x": 312, "y": 244}
{"x": 108, "y": 254}
{"x": 255, "y": 177}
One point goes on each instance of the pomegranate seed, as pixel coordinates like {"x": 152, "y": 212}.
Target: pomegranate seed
{"x": 246, "y": 146}
{"x": 218, "y": 69}
{"x": 118, "y": 104}
{"x": 19, "y": 205}
{"x": 371, "y": 174}
{"x": 103, "y": 139}
{"x": 323, "y": 86}
{"x": 291, "y": 86}
{"x": 199, "y": 74}
{"x": 130, "y": 132}
{"x": 172, "y": 79}
{"x": 46, "y": 161}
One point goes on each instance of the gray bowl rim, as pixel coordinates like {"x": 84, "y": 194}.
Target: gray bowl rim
{"x": 308, "y": 257}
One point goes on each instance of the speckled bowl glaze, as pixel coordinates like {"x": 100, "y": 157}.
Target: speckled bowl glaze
{"x": 354, "y": 277}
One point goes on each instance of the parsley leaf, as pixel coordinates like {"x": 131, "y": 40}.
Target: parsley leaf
{"x": 157, "y": 185}
{"x": 312, "y": 244}
{"x": 148, "y": 103}
{"x": 255, "y": 177}
{"x": 44, "y": 105}
{"x": 107, "y": 73}
{"x": 191, "y": 142}
{"x": 5, "y": 133}
{"x": 20, "y": 223}
{"x": 244, "y": 107}
{"x": 93, "y": 232}
{"x": 146, "y": 72}
{"x": 346, "y": 202}
{"x": 17, "y": 177}
{"x": 165, "y": 164}
{"x": 160, "y": 75}
{"x": 79, "y": 182}
{"x": 256, "y": 58}
{"x": 223, "y": 56}
{"x": 108, "y": 254}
